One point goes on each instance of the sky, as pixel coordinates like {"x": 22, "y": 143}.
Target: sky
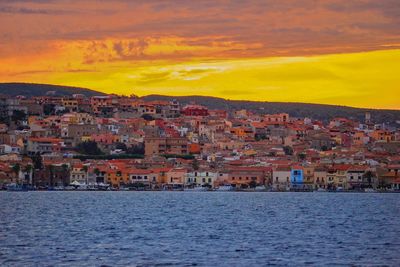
{"x": 331, "y": 52}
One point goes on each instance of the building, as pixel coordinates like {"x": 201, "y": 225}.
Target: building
{"x": 165, "y": 145}
{"x": 242, "y": 176}
{"x": 201, "y": 178}
{"x": 296, "y": 177}
{"x": 43, "y": 145}
{"x": 281, "y": 178}
{"x": 194, "y": 110}
{"x": 175, "y": 178}
{"x": 320, "y": 177}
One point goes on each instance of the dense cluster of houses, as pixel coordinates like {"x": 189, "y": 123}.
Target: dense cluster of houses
{"x": 166, "y": 145}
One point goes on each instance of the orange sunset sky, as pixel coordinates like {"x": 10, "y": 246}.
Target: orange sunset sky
{"x": 333, "y": 51}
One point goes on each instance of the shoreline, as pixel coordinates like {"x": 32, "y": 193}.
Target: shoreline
{"x": 206, "y": 191}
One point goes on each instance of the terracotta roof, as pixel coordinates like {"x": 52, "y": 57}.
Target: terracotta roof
{"x": 45, "y": 139}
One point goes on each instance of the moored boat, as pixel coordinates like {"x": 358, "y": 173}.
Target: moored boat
{"x": 196, "y": 189}
{"x": 225, "y": 188}
{"x": 17, "y": 188}
{"x": 369, "y": 190}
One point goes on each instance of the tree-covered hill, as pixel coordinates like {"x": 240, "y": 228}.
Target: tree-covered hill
{"x": 33, "y": 89}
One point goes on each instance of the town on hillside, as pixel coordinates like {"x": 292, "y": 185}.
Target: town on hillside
{"x": 115, "y": 142}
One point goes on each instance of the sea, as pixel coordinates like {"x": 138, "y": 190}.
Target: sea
{"x": 124, "y": 228}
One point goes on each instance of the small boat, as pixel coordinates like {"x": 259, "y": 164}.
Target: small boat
{"x": 260, "y": 188}
{"x": 59, "y": 188}
{"x": 196, "y": 189}
{"x": 225, "y": 188}
{"x": 17, "y": 188}
{"x": 321, "y": 190}
{"x": 369, "y": 190}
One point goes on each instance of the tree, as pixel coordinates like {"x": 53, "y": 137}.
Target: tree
{"x": 16, "y": 169}
{"x": 28, "y": 169}
{"x": 51, "y": 170}
{"x": 195, "y": 164}
{"x": 65, "y": 169}
{"x": 136, "y": 149}
{"x": 121, "y": 146}
{"x": 37, "y": 161}
{"x": 48, "y": 109}
{"x": 85, "y": 168}
{"x": 89, "y": 148}
{"x": 368, "y": 177}
{"x": 288, "y": 150}
{"x": 147, "y": 117}
{"x": 260, "y": 137}
{"x": 18, "y": 115}
{"x": 253, "y": 184}
{"x": 302, "y": 156}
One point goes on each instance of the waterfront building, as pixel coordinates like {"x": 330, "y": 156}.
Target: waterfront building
{"x": 296, "y": 177}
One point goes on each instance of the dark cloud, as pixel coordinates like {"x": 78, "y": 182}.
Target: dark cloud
{"x": 30, "y": 11}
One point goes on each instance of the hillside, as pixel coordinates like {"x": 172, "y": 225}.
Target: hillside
{"x": 33, "y": 89}
{"x": 316, "y": 111}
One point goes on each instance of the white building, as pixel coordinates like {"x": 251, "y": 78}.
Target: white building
{"x": 281, "y": 178}
{"x": 201, "y": 178}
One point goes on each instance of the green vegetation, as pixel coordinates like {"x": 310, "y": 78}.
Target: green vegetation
{"x": 16, "y": 168}
{"x": 89, "y": 148}
{"x": 18, "y": 116}
{"x": 37, "y": 161}
{"x": 195, "y": 164}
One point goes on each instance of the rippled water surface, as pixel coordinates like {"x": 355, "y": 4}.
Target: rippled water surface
{"x": 198, "y": 229}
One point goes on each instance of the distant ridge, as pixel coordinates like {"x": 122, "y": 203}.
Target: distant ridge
{"x": 316, "y": 111}
{"x": 35, "y": 89}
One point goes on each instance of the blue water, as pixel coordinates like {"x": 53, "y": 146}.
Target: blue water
{"x": 198, "y": 229}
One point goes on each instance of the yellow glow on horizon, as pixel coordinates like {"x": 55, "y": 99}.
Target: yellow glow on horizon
{"x": 367, "y": 79}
